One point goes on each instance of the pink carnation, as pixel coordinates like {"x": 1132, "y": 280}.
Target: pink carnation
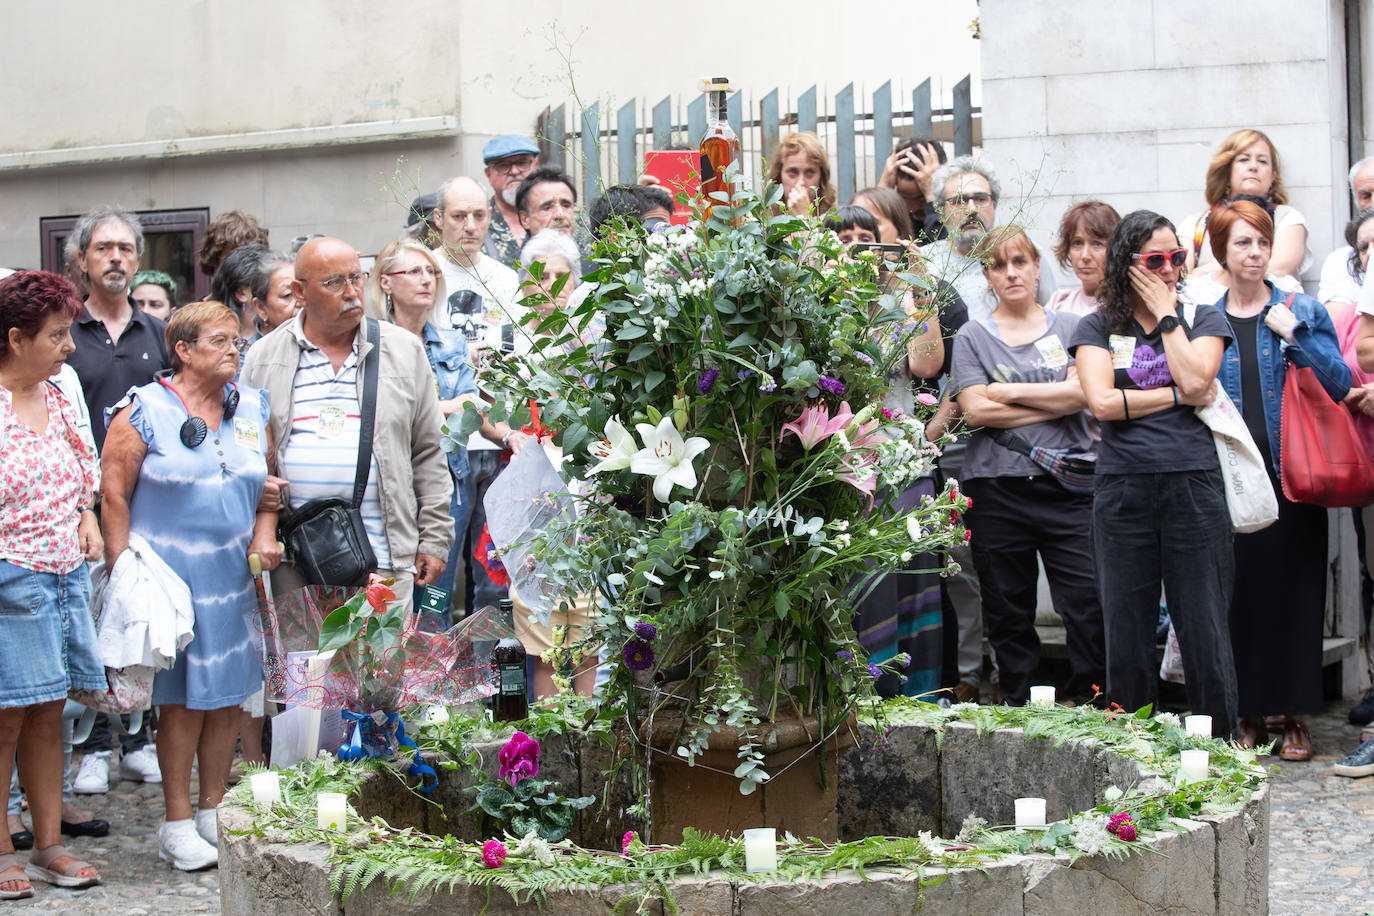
{"x": 519, "y": 759}
{"x": 625, "y": 842}
{"x": 493, "y": 853}
{"x": 1123, "y": 826}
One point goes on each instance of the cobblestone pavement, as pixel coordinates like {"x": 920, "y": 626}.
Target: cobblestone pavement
{"x": 1321, "y": 844}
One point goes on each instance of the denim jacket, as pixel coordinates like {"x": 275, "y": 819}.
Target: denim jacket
{"x": 447, "y": 351}
{"x": 1315, "y": 346}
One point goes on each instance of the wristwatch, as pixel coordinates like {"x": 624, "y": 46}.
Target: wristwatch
{"x": 1168, "y": 323}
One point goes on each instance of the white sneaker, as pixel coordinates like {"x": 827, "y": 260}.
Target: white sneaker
{"x": 141, "y": 765}
{"x": 207, "y": 825}
{"x": 94, "y": 776}
{"x": 181, "y": 844}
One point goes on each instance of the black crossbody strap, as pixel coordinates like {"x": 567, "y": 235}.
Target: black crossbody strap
{"x": 369, "y": 410}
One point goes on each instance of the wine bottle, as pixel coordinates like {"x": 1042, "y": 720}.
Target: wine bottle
{"x": 510, "y": 704}
{"x": 719, "y": 145}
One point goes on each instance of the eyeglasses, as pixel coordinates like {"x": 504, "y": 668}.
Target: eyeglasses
{"x": 415, "y": 273}
{"x": 1155, "y": 259}
{"x": 336, "y": 283}
{"x": 511, "y": 165}
{"x": 221, "y": 342}
{"x": 978, "y": 199}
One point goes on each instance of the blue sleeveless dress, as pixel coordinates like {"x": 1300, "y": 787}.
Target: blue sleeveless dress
{"x": 196, "y": 508}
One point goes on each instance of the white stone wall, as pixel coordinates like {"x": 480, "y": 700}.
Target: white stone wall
{"x": 1126, "y": 102}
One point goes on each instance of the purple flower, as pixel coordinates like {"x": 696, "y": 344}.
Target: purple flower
{"x": 864, "y": 357}
{"x": 745, "y": 373}
{"x": 638, "y": 655}
{"x": 768, "y": 386}
{"x": 708, "y": 378}
{"x": 519, "y": 759}
{"x": 646, "y": 631}
{"x": 874, "y": 670}
{"x": 843, "y": 655}
{"x": 829, "y": 383}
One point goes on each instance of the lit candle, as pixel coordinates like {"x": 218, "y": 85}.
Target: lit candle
{"x": 761, "y": 849}
{"x": 1030, "y": 812}
{"x": 1042, "y": 696}
{"x": 266, "y": 787}
{"x": 331, "y": 811}
{"x": 1193, "y": 766}
{"x": 1198, "y": 725}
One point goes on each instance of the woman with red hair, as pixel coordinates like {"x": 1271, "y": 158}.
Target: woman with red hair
{"x": 47, "y": 533}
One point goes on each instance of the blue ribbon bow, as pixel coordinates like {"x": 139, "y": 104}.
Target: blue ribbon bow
{"x": 359, "y": 747}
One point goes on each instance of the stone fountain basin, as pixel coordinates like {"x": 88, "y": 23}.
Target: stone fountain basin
{"x": 1216, "y": 864}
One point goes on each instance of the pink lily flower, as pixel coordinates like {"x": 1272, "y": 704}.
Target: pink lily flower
{"x": 815, "y": 424}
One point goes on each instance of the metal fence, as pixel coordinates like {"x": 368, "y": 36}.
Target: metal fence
{"x": 598, "y": 155}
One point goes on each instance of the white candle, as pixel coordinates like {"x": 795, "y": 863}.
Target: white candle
{"x": 266, "y": 787}
{"x": 1042, "y": 696}
{"x": 331, "y": 811}
{"x": 1030, "y": 812}
{"x": 1193, "y": 766}
{"x": 761, "y": 849}
{"x": 1198, "y": 725}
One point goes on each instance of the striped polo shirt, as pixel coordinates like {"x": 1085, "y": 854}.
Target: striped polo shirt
{"x": 321, "y": 454}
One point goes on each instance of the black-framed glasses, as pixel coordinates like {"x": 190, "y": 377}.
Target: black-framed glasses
{"x": 511, "y": 165}
{"x": 335, "y": 284}
{"x": 1155, "y": 259}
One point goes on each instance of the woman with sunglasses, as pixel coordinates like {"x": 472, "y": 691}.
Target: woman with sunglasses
{"x": 1280, "y": 591}
{"x": 406, "y": 287}
{"x": 1159, "y": 511}
{"x": 184, "y": 464}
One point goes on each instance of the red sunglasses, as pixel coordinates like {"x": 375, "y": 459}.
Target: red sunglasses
{"x": 1155, "y": 259}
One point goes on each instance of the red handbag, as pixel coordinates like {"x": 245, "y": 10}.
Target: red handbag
{"x": 1322, "y": 460}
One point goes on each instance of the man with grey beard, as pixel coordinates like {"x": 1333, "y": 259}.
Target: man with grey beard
{"x": 118, "y": 346}
{"x": 507, "y": 159}
{"x": 966, "y": 191}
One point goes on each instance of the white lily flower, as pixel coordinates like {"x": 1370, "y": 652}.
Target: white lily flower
{"x": 666, "y": 457}
{"x": 615, "y": 451}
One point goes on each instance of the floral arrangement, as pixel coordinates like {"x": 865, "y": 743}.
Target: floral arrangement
{"x": 528, "y": 805}
{"x": 734, "y": 465}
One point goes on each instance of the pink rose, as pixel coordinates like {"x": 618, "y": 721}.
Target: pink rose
{"x": 493, "y": 853}
{"x": 519, "y": 758}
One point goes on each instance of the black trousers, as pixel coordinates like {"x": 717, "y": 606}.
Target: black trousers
{"x": 1014, "y": 519}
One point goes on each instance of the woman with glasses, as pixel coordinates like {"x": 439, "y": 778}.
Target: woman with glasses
{"x": 1280, "y": 592}
{"x": 1247, "y": 163}
{"x": 405, "y": 288}
{"x": 183, "y": 467}
{"x": 1159, "y": 511}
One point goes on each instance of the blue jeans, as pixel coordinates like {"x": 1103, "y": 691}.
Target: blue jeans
{"x": 1172, "y": 527}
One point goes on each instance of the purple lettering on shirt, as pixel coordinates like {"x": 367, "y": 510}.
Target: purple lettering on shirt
{"x": 1149, "y": 368}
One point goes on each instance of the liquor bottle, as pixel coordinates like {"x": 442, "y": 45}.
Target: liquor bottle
{"x": 510, "y": 704}
{"x": 719, "y": 145}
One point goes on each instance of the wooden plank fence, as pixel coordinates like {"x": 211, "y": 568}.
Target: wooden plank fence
{"x": 857, "y": 140}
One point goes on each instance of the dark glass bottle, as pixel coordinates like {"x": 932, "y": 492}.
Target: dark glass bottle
{"x": 510, "y": 704}
{"x": 719, "y": 145}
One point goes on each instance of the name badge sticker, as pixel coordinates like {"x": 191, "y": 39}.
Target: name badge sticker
{"x": 1052, "y": 352}
{"x": 1123, "y": 351}
{"x": 332, "y": 421}
{"x": 247, "y": 433}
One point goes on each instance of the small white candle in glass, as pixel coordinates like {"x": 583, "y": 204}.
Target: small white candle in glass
{"x": 1193, "y": 766}
{"x": 266, "y": 787}
{"x": 331, "y": 811}
{"x": 761, "y": 849}
{"x": 1198, "y": 725}
{"x": 1042, "y": 696}
{"x": 1030, "y": 812}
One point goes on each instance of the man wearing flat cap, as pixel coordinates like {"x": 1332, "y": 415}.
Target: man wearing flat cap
{"x": 508, "y": 159}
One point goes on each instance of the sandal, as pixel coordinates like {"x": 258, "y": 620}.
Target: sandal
{"x": 74, "y": 873}
{"x": 1252, "y": 733}
{"x": 1297, "y": 741}
{"x": 11, "y": 874}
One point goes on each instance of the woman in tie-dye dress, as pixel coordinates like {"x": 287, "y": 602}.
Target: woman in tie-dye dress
{"x": 184, "y": 465}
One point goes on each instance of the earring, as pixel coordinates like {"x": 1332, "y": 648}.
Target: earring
{"x": 388, "y": 303}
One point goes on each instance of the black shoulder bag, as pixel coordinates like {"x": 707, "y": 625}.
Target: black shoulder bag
{"x": 325, "y": 538}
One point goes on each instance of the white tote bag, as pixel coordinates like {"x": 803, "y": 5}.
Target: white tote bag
{"x": 1249, "y": 494}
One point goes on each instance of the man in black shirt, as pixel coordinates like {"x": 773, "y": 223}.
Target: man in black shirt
{"x": 117, "y": 345}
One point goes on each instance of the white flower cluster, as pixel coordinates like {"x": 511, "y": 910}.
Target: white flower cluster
{"x": 901, "y": 463}
{"x": 534, "y": 844}
{"x": 661, "y": 278}
{"x": 1168, "y": 718}
{"x": 1091, "y": 836}
{"x": 969, "y": 828}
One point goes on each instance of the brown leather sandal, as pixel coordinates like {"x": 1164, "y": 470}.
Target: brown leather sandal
{"x": 14, "y": 881}
{"x": 1297, "y": 741}
{"x": 62, "y": 869}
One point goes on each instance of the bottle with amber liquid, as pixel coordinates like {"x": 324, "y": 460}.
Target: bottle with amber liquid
{"x": 719, "y": 145}
{"x": 510, "y": 704}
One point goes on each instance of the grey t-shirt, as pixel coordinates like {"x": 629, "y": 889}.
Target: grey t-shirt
{"x": 981, "y": 357}
{"x": 1163, "y": 442}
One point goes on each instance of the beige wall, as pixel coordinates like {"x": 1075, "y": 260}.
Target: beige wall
{"x": 319, "y": 115}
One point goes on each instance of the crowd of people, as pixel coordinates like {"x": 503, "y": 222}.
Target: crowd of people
{"x": 134, "y": 423}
